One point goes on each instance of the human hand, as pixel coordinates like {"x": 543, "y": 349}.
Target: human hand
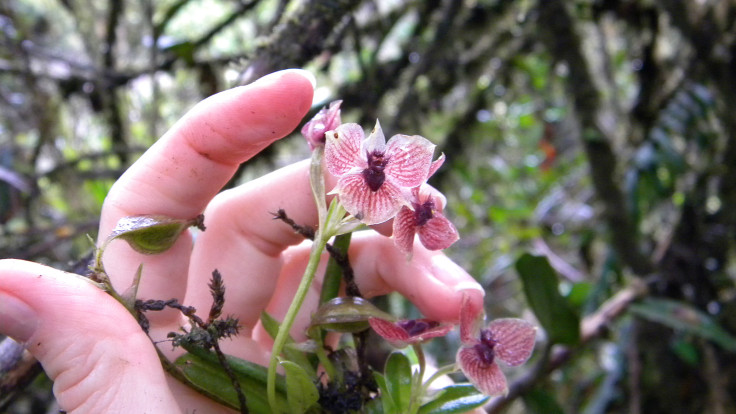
{"x": 94, "y": 350}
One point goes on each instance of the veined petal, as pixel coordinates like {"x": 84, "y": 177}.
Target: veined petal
{"x": 514, "y": 340}
{"x": 370, "y": 207}
{"x": 399, "y": 337}
{"x": 389, "y": 331}
{"x": 487, "y": 378}
{"x": 404, "y": 229}
{"x": 342, "y": 149}
{"x": 469, "y": 322}
{"x": 438, "y": 233}
{"x": 409, "y": 159}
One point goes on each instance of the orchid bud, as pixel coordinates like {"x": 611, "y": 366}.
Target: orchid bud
{"x": 327, "y": 119}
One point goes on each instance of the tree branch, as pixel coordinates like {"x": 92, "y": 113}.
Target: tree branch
{"x": 300, "y": 39}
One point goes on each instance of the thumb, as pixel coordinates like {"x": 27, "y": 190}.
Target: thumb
{"x": 89, "y": 345}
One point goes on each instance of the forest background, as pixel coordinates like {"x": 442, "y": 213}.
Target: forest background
{"x": 597, "y": 134}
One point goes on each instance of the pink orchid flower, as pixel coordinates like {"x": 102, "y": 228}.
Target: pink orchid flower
{"x": 508, "y": 339}
{"x": 425, "y": 218}
{"x": 408, "y": 331}
{"x": 375, "y": 177}
{"x": 327, "y": 119}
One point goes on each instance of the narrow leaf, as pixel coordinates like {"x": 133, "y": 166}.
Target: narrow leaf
{"x": 207, "y": 374}
{"x": 291, "y": 351}
{"x": 684, "y": 317}
{"x": 386, "y": 402}
{"x": 459, "y": 398}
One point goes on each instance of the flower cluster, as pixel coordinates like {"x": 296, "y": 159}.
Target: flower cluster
{"x": 379, "y": 180}
{"x": 509, "y": 340}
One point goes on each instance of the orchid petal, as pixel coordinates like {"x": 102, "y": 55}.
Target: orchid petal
{"x": 404, "y": 229}
{"x": 389, "y": 331}
{"x": 398, "y": 336}
{"x": 409, "y": 160}
{"x": 514, "y": 340}
{"x": 342, "y": 149}
{"x": 469, "y": 322}
{"x": 487, "y": 378}
{"x": 436, "y": 164}
{"x": 376, "y": 141}
{"x": 437, "y": 233}
{"x": 370, "y": 207}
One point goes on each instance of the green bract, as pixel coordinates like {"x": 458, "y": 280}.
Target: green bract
{"x": 152, "y": 234}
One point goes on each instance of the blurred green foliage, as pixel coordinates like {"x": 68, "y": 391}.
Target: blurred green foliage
{"x": 87, "y": 86}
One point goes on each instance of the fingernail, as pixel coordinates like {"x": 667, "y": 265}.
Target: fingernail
{"x": 470, "y": 286}
{"x": 458, "y": 279}
{"x": 306, "y": 74}
{"x": 17, "y": 319}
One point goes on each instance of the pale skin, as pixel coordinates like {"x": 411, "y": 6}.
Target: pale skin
{"x": 94, "y": 350}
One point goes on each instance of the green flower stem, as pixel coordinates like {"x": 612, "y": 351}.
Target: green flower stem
{"x": 317, "y": 183}
{"x": 418, "y": 390}
{"x": 333, "y": 273}
{"x": 318, "y": 247}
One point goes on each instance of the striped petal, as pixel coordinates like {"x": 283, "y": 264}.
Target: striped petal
{"x": 514, "y": 340}
{"x": 343, "y": 149}
{"x": 404, "y": 230}
{"x": 399, "y": 337}
{"x": 487, "y": 378}
{"x": 437, "y": 233}
{"x": 410, "y": 158}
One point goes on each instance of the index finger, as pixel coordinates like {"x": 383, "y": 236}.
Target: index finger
{"x": 180, "y": 174}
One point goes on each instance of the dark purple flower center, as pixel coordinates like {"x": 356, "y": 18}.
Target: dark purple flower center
{"x": 485, "y": 347}
{"x": 416, "y": 327}
{"x": 423, "y": 212}
{"x": 374, "y": 175}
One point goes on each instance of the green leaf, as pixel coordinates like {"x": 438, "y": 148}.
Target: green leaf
{"x": 541, "y": 289}
{"x": 538, "y": 401}
{"x": 203, "y": 369}
{"x": 686, "y": 318}
{"x": 270, "y": 324}
{"x": 387, "y": 403}
{"x": 374, "y": 406}
{"x": 301, "y": 393}
{"x": 459, "y": 398}
{"x": 399, "y": 380}
{"x": 291, "y": 351}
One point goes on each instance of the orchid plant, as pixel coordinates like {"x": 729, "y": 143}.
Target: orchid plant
{"x": 377, "y": 180}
